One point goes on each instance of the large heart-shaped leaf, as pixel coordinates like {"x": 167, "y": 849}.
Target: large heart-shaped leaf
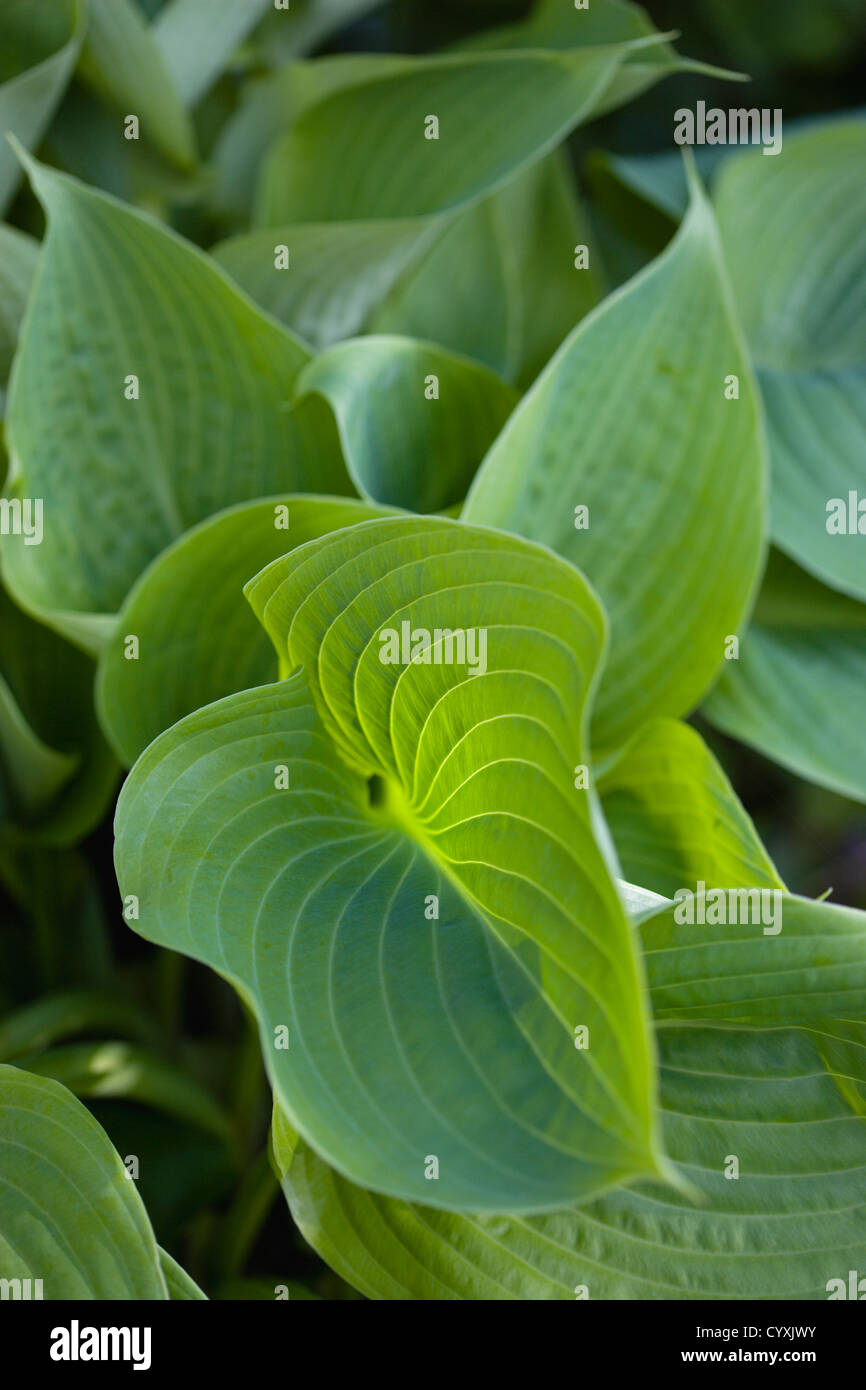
{"x": 787, "y": 1104}
{"x": 69, "y": 1214}
{"x": 39, "y": 47}
{"x": 796, "y": 692}
{"x": 197, "y": 638}
{"x": 632, "y": 456}
{"x": 173, "y": 394}
{"x": 429, "y": 871}
{"x": 793, "y": 229}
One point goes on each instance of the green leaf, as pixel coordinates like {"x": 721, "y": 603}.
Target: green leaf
{"x": 57, "y": 774}
{"x": 792, "y": 960}
{"x": 630, "y": 421}
{"x": 307, "y": 24}
{"x": 39, "y": 47}
{"x": 675, "y": 818}
{"x": 361, "y": 153}
{"x": 198, "y": 639}
{"x": 340, "y": 272}
{"x": 179, "y": 1284}
{"x": 414, "y": 421}
{"x": 198, "y": 37}
{"x": 788, "y": 1103}
{"x": 57, "y": 1016}
{"x": 510, "y": 265}
{"x": 530, "y": 940}
{"x": 796, "y": 692}
{"x": 69, "y": 1214}
{"x": 18, "y": 255}
{"x": 557, "y": 25}
{"x": 110, "y": 1070}
{"x": 118, "y": 295}
{"x": 793, "y": 228}
{"x": 122, "y": 60}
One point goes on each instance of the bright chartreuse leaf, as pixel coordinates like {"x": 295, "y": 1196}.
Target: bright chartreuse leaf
{"x": 122, "y": 60}
{"x": 39, "y": 47}
{"x": 69, "y": 1213}
{"x": 197, "y": 637}
{"x": 122, "y": 306}
{"x": 675, "y": 818}
{"x": 18, "y": 254}
{"x": 398, "y": 853}
{"x": 414, "y": 420}
{"x": 796, "y": 691}
{"x": 629, "y": 459}
{"x": 787, "y": 1103}
{"x": 794, "y": 230}
{"x": 362, "y": 152}
{"x": 198, "y": 37}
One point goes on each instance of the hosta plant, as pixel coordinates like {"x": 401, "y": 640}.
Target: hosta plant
{"x": 396, "y": 524}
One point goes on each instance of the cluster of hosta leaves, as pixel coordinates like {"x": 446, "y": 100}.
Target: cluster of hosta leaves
{"x": 400, "y": 391}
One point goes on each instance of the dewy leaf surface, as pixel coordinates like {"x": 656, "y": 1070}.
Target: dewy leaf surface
{"x": 197, "y": 637}
{"x": 796, "y": 692}
{"x": 794, "y": 229}
{"x": 788, "y": 1103}
{"x": 630, "y": 421}
{"x": 116, "y": 296}
{"x": 413, "y": 1037}
{"x": 69, "y": 1214}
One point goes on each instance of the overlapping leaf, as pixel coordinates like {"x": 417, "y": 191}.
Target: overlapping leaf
{"x": 197, "y": 638}
{"x": 123, "y": 61}
{"x": 675, "y": 817}
{"x": 793, "y": 229}
{"x": 117, "y": 296}
{"x": 632, "y": 423}
{"x": 786, "y": 1103}
{"x": 431, "y": 823}
{"x": 69, "y": 1214}
{"x": 56, "y": 772}
{"x": 796, "y": 692}
{"x": 414, "y": 421}
{"x": 39, "y": 47}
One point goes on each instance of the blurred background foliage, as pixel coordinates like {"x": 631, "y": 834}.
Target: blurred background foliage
{"x": 159, "y": 1047}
